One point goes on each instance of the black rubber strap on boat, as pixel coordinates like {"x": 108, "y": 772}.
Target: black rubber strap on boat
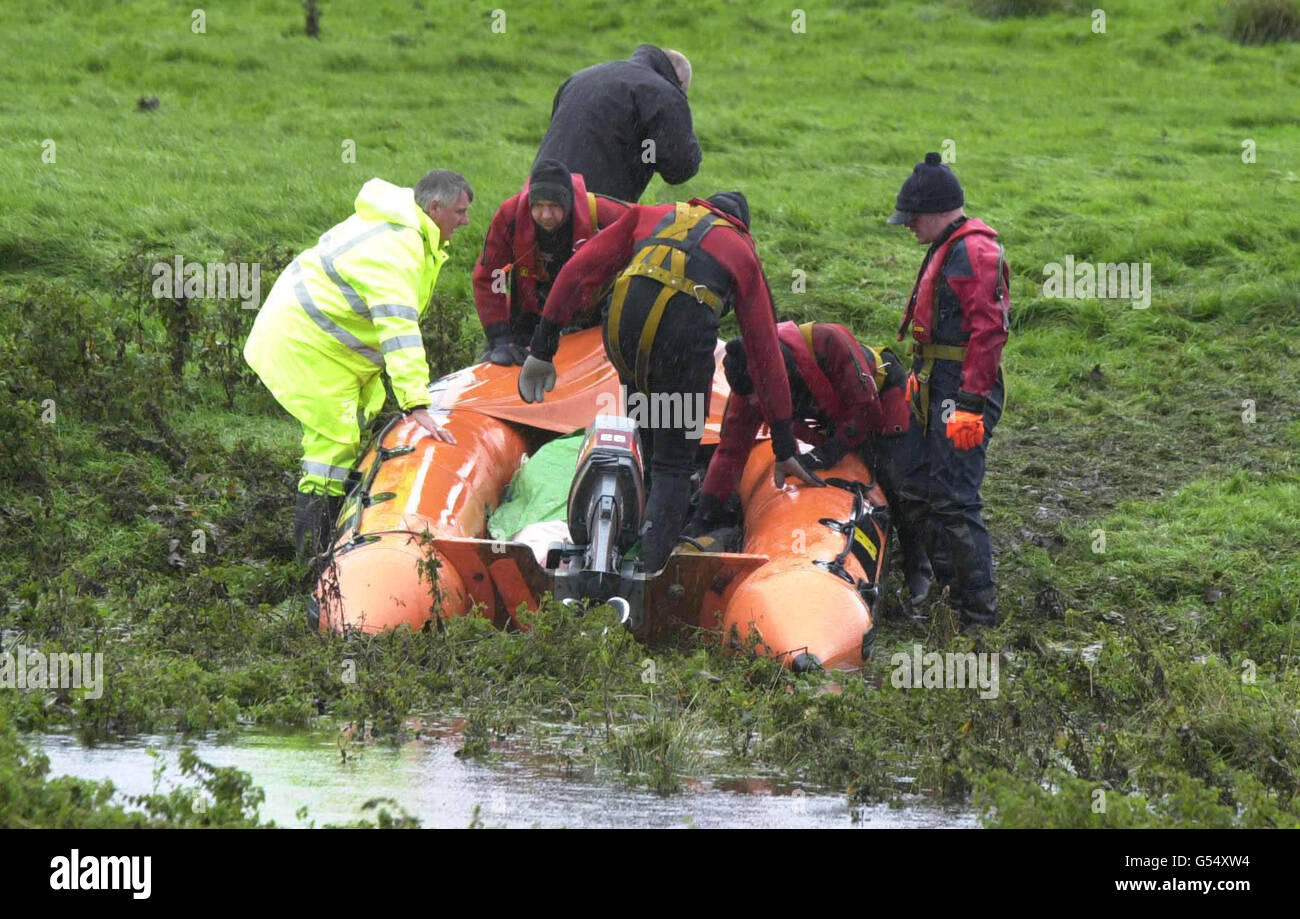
{"x": 861, "y": 508}
{"x": 836, "y": 566}
{"x": 382, "y": 453}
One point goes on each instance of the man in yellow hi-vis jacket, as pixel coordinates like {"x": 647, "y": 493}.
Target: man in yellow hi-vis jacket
{"x": 344, "y": 310}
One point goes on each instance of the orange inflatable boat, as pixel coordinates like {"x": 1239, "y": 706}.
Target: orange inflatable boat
{"x": 803, "y": 589}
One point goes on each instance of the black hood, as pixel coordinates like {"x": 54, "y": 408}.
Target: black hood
{"x": 735, "y": 366}
{"x": 551, "y": 181}
{"x": 653, "y": 57}
{"x": 733, "y": 203}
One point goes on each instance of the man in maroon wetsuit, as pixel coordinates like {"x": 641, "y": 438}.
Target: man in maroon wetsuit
{"x": 845, "y": 398}
{"x": 532, "y": 237}
{"x": 680, "y": 268}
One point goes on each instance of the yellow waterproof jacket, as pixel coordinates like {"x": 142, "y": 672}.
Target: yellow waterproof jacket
{"x": 350, "y": 306}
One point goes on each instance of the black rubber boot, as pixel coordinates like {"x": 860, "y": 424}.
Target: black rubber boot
{"x": 979, "y": 609}
{"x": 313, "y": 524}
{"x": 886, "y": 457}
{"x": 665, "y": 514}
{"x": 917, "y": 572}
{"x": 973, "y": 593}
{"x": 910, "y": 525}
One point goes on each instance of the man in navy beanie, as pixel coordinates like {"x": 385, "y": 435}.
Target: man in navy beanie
{"x": 959, "y": 316}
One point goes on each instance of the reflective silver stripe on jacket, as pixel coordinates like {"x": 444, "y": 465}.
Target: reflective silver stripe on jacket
{"x": 327, "y": 262}
{"x": 311, "y": 467}
{"x": 394, "y": 309}
{"x": 397, "y": 343}
{"x": 346, "y": 338}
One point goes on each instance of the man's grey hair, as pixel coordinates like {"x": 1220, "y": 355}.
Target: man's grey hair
{"x": 442, "y": 186}
{"x": 682, "y": 66}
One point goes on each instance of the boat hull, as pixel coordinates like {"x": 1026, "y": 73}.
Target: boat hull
{"x": 409, "y": 543}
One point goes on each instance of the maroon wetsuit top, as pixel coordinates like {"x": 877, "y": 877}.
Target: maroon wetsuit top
{"x": 833, "y": 389}
{"x": 611, "y": 251}
{"x": 511, "y": 248}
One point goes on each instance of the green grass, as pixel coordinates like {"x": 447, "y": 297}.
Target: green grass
{"x": 1123, "y": 146}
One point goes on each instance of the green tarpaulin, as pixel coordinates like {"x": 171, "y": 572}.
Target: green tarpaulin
{"x": 540, "y": 489}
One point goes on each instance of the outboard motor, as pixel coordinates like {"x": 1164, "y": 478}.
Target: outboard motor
{"x": 606, "y": 508}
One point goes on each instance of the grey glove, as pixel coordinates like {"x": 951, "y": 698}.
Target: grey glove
{"x": 505, "y": 352}
{"x": 536, "y": 378}
{"x": 792, "y": 467}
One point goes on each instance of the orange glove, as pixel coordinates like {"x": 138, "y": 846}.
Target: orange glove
{"x": 913, "y": 386}
{"x": 966, "y": 430}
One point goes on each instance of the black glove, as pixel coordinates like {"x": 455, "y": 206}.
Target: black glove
{"x": 505, "y": 352}
{"x": 970, "y": 402}
{"x": 824, "y": 457}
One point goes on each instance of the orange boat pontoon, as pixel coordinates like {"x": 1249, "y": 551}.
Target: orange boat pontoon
{"x": 805, "y": 585}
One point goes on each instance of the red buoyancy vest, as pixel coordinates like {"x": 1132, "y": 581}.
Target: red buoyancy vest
{"x": 525, "y": 264}
{"x": 920, "y": 307}
{"x": 805, "y": 361}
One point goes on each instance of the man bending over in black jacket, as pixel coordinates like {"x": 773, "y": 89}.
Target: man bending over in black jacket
{"x": 620, "y": 122}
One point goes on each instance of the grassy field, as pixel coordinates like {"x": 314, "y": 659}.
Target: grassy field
{"x": 1163, "y": 669}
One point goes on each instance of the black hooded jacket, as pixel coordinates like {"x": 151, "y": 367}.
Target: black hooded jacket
{"x": 603, "y": 115}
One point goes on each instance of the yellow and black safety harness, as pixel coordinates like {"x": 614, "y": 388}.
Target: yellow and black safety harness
{"x": 663, "y": 257}
{"x": 928, "y": 354}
